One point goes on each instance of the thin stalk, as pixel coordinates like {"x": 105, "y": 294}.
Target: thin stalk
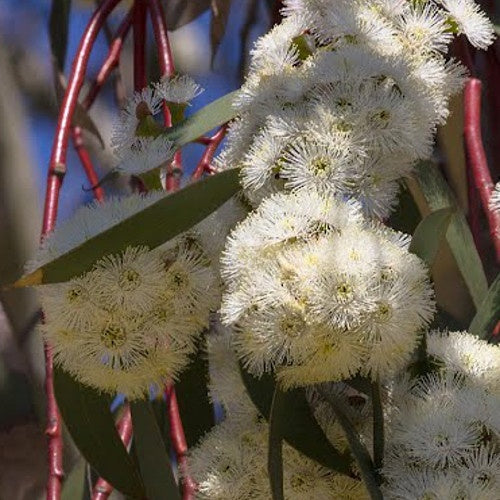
{"x": 363, "y": 459}
{"x": 477, "y": 162}
{"x": 110, "y": 63}
{"x": 207, "y": 157}
{"x": 55, "y": 176}
{"x": 378, "y": 426}
{"x": 57, "y": 165}
{"x": 167, "y": 70}
{"x": 102, "y": 489}
{"x": 179, "y": 443}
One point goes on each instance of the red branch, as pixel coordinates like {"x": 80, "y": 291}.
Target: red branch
{"x": 102, "y": 488}
{"x": 204, "y": 165}
{"x": 167, "y": 69}
{"x": 179, "y": 443}
{"x": 477, "y": 163}
{"x": 55, "y": 175}
{"x": 110, "y": 63}
{"x": 57, "y": 165}
{"x": 139, "y": 23}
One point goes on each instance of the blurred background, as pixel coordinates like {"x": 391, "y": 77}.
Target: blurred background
{"x": 28, "y": 113}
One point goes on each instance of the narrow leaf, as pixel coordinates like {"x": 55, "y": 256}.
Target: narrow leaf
{"x": 429, "y": 233}
{"x": 298, "y": 427}
{"x": 181, "y": 12}
{"x": 88, "y": 418}
{"x": 439, "y": 195}
{"x": 363, "y": 459}
{"x": 275, "y": 448}
{"x": 58, "y": 31}
{"x": 81, "y": 118}
{"x": 214, "y": 114}
{"x": 165, "y": 219}
{"x": 378, "y": 426}
{"x": 220, "y": 15}
{"x": 488, "y": 313}
{"x": 195, "y": 407}
{"x": 154, "y": 463}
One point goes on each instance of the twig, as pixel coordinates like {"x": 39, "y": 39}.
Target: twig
{"x": 55, "y": 176}
{"x": 179, "y": 443}
{"x": 476, "y": 157}
{"x": 167, "y": 69}
{"x": 102, "y": 488}
{"x": 204, "y": 164}
{"x": 110, "y": 63}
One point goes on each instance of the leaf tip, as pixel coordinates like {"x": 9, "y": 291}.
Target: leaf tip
{"x": 32, "y": 279}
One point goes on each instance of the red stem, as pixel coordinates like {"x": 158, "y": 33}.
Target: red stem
{"x": 204, "y": 164}
{"x": 139, "y": 24}
{"x": 179, "y": 443}
{"x": 476, "y": 157}
{"x": 167, "y": 69}
{"x": 110, "y": 63}
{"x": 102, "y": 489}
{"x": 165, "y": 57}
{"x": 53, "y": 431}
{"x": 86, "y": 162}
{"x": 57, "y": 165}
{"x": 55, "y": 175}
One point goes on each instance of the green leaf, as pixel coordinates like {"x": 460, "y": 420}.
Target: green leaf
{"x": 427, "y": 237}
{"x": 488, "y": 313}
{"x": 299, "y": 427}
{"x": 218, "y": 22}
{"x": 363, "y": 459}
{"x": 181, "y": 12}
{"x": 88, "y": 418}
{"x": 74, "y": 487}
{"x": 260, "y": 390}
{"x": 153, "y": 459}
{"x": 58, "y": 31}
{"x": 195, "y": 406}
{"x": 275, "y": 448}
{"x": 214, "y": 114}
{"x": 439, "y": 195}
{"x": 165, "y": 219}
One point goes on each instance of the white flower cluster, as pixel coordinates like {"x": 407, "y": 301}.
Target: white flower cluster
{"x": 317, "y": 294}
{"x": 229, "y": 462}
{"x": 131, "y": 322}
{"x": 444, "y": 434}
{"x": 136, "y": 151}
{"x": 345, "y": 95}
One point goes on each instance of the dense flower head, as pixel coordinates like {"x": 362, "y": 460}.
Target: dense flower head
{"x": 444, "y": 430}
{"x": 132, "y": 320}
{"x": 345, "y": 96}
{"x": 317, "y": 294}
